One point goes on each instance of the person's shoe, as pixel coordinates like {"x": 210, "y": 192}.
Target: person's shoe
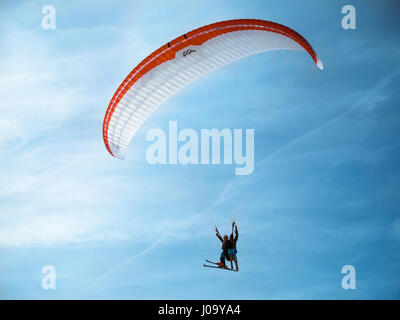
{"x": 221, "y": 265}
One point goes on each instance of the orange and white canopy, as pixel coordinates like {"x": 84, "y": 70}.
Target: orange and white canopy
{"x": 182, "y": 61}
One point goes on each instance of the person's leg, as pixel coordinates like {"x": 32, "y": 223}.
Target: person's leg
{"x": 236, "y": 264}
{"x": 232, "y": 253}
{"x": 222, "y": 258}
{"x": 230, "y": 257}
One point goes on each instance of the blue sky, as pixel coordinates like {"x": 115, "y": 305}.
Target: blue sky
{"x": 324, "y": 192}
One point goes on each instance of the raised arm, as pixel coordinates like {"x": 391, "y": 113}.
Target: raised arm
{"x": 218, "y": 235}
{"x": 236, "y": 233}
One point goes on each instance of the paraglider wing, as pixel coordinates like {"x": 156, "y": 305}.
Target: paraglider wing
{"x": 182, "y": 61}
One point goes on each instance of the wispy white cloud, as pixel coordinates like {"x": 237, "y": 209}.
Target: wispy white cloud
{"x": 121, "y": 264}
{"x": 50, "y": 192}
{"x": 368, "y": 101}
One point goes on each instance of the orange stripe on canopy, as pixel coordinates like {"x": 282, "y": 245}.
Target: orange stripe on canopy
{"x": 195, "y": 37}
